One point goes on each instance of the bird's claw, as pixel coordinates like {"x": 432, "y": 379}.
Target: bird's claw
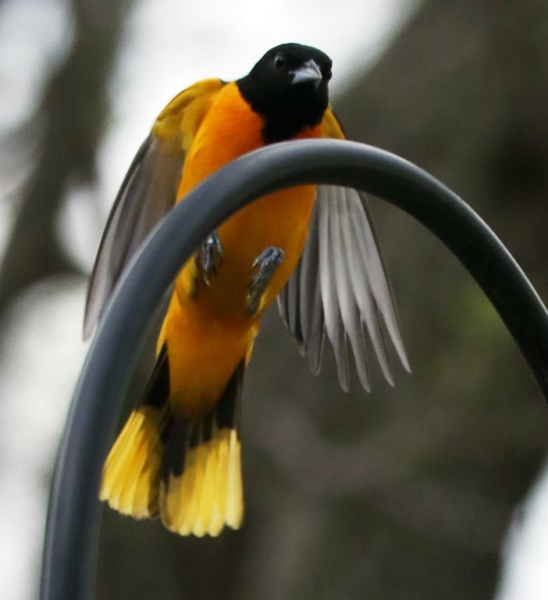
{"x": 210, "y": 257}
{"x": 267, "y": 262}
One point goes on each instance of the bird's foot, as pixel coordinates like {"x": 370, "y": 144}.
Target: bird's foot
{"x": 210, "y": 257}
{"x": 267, "y": 262}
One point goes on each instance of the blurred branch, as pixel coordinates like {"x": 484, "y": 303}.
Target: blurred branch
{"x": 71, "y": 118}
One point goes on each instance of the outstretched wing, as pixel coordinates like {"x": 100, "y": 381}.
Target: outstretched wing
{"x": 340, "y": 285}
{"x": 147, "y": 193}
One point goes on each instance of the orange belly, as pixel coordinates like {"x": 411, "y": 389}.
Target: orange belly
{"x": 208, "y": 329}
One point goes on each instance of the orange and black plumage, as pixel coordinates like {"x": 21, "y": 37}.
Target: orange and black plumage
{"x": 178, "y": 455}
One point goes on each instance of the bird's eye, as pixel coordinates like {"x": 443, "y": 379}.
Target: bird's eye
{"x": 279, "y": 62}
{"x": 326, "y": 75}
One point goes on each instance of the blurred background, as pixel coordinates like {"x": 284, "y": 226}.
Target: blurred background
{"x": 432, "y": 489}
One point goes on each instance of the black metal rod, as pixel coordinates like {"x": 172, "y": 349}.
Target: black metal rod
{"x": 73, "y": 519}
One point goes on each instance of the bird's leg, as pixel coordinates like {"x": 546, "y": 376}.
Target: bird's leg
{"x": 267, "y": 262}
{"x": 210, "y": 257}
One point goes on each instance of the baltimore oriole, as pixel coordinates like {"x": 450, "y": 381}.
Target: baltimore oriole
{"x": 178, "y": 455}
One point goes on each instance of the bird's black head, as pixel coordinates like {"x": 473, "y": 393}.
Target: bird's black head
{"x": 288, "y": 88}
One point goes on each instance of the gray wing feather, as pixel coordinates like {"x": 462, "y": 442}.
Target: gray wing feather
{"x": 328, "y": 273}
{"x": 346, "y": 280}
{"x": 340, "y": 287}
{"x": 310, "y": 304}
{"x": 147, "y": 193}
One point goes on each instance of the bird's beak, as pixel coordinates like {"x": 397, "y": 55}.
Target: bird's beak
{"x": 308, "y": 72}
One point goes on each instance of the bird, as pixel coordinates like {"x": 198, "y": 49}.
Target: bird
{"x": 313, "y": 248}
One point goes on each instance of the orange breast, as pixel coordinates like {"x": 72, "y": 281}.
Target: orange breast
{"x": 207, "y": 328}
{"x": 229, "y": 130}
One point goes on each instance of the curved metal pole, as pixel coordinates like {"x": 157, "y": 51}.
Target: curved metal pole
{"x": 73, "y": 519}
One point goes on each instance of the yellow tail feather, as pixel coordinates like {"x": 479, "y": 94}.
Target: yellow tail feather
{"x": 208, "y": 494}
{"x": 200, "y": 501}
{"x": 132, "y": 470}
